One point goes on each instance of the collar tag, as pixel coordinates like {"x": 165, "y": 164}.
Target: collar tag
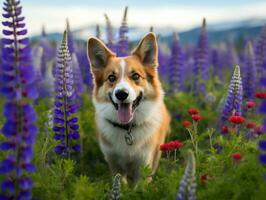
{"x": 129, "y": 137}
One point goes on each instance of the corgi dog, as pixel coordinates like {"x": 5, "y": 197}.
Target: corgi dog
{"x": 131, "y": 117}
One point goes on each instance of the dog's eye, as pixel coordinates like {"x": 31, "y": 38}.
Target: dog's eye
{"x": 135, "y": 76}
{"x": 112, "y": 78}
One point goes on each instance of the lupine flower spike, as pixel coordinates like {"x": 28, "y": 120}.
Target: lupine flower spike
{"x": 115, "y": 193}
{"x": 19, "y": 90}
{"x": 110, "y": 35}
{"x": 65, "y": 122}
{"x": 249, "y": 79}
{"x": 233, "y": 102}
{"x": 176, "y": 65}
{"x": 201, "y": 65}
{"x": 122, "y": 45}
{"x": 187, "y": 185}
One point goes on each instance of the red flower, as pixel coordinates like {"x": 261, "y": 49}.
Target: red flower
{"x": 193, "y": 111}
{"x": 186, "y": 124}
{"x": 225, "y": 130}
{"x": 236, "y": 119}
{"x": 164, "y": 147}
{"x": 250, "y": 104}
{"x": 176, "y": 144}
{"x": 204, "y": 178}
{"x": 259, "y": 130}
{"x": 236, "y": 156}
{"x": 261, "y": 95}
{"x": 196, "y": 117}
{"x": 250, "y": 125}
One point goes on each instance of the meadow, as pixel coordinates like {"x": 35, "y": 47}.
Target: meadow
{"x": 48, "y": 147}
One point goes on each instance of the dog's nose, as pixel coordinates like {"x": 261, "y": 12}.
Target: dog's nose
{"x": 121, "y": 95}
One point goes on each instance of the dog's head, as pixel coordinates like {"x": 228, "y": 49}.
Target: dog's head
{"x": 123, "y": 84}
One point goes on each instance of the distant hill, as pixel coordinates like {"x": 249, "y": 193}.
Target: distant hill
{"x": 220, "y": 32}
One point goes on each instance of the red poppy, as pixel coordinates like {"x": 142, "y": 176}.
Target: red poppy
{"x": 236, "y": 119}
{"x": 176, "y": 144}
{"x": 164, "y": 147}
{"x": 250, "y": 125}
{"x": 225, "y": 130}
{"x": 250, "y": 104}
{"x": 196, "y": 117}
{"x": 261, "y": 95}
{"x": 186, "y": 124}
{"x": 193, "y": 111}
{"x": 204, "y": 178}
{"x": 237, "y": 156}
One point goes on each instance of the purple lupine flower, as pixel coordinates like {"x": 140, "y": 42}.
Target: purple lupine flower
{"x": 98, "y": 31}
{"x": 70, "y": 39}
{"x": 233, "y": 103}
{"x": 122, "y": 45}
{"x": 84, "y": 67}
{"x": 65, "y": 122}
{"x": 249, "y": 78}
{"x": 163, "y": 61}
{"x": 187, "y": 185}
{"x": 230, "y": 57}
{"x": 47, "y": 54}
{"x": 260, "y": 56}
{"x": 262, "y": 155}
{"x": 109, "y": 33}
{"x": 176, "y": 65}
{"x": 78, "y": 81}
{"x": 19, "y": 90}
{"x": 201, "y": 59}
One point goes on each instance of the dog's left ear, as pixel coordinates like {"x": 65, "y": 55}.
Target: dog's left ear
{"x": 147, "y": 50}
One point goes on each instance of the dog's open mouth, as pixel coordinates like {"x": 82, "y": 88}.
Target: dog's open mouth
{"x": 125, "y": 111}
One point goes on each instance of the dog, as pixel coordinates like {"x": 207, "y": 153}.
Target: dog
{"x": 131, "y": 117}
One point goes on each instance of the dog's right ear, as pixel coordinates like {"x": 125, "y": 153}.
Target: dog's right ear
{"x": 98, "y": 53}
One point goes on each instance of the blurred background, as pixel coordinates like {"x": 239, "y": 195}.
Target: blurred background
{"x": 238, "y": 19}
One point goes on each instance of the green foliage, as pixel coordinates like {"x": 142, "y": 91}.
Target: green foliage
{"x": 87, "y": 176}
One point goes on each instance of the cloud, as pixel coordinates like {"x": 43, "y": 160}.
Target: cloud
{"x": 180, "y": 17}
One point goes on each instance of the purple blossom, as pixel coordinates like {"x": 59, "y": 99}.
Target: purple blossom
{"x": 47, "y": 54}
{"x": 232, "y": 105}
{"x": 260, "y": 56}
{"x": 70, "y": 39}
{"x": 77, "y": 76}
{"x": 176, "y": 65}
{"x": 110, "y": 35}
{"x": 249, "y": 79}
{"x": 201, "y": 62}
{"x": 187, "y": 185}
{"x": 19, "y": 90}
{"x": 65, "y": 122}
{"x": 122, "y": 45}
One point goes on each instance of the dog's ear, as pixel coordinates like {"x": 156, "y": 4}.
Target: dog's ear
{"x": 98, "y": 53}
{"x": 147, "y": 50}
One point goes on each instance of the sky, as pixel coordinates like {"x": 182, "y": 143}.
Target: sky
{"x": 181, "y": 14}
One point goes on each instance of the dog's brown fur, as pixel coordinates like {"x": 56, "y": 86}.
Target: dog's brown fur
{"x": 151, "y": 116}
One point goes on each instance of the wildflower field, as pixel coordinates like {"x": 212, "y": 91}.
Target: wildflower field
{"x": 48, "y": 147}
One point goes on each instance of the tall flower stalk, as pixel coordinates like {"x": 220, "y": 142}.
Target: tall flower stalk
{"x": 233, "y": 101}
{"x": 65, "y": 122}
{"x": 249, "y": 80}
{"x": 201, "y": 62}
{"x": 122, "y": 45}
{"x": 18, "y": 88}
{"x": 176, "y": 65}
{"x": 109, "y": 33}
{"x": 187, "y": 185}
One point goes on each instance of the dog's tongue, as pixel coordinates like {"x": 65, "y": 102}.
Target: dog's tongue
{"x": 124, "y": 113}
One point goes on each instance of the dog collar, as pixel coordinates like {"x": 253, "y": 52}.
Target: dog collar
{"x": 128, "y": 128}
